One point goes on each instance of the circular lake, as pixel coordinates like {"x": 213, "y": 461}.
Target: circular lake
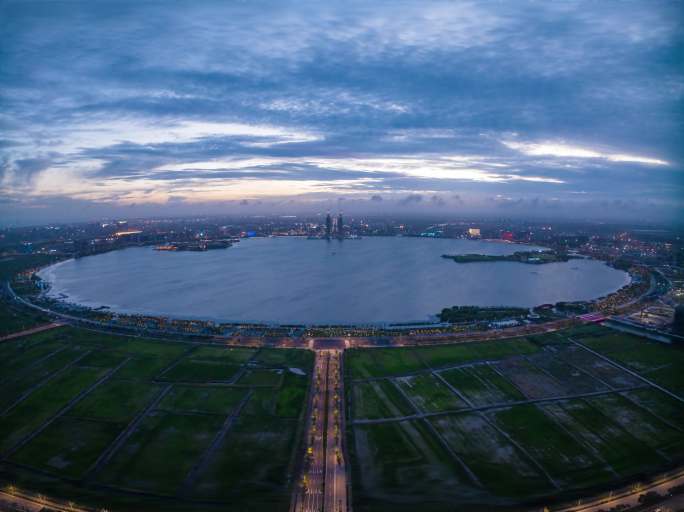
{"x": 300, "y": 281}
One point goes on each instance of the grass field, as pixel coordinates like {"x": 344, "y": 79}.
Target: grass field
{"x": 595, "y": 422}
{"x": 656, "y": 361}
{"x": 481, "y": 385}
{"x": 429, "y": 393}
{"x": 69, "y": 394}
{"x": 489, "y": 423}
{"x": 384, "y": 362}
{"x": 13, "y": 319}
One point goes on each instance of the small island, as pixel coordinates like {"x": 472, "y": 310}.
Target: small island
{"x": 530, "y": 257}
{"x": 461, "y": 314}
{"x": 198, "y": 246}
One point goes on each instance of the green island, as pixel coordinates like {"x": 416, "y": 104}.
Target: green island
{"x": 458, "y": 314}
{"x": 530, "y": 257}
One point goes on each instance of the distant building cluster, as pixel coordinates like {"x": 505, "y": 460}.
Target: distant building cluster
{"x": 334, "y": 226}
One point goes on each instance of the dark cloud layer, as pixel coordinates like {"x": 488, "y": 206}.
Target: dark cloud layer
{"x": 564, "y": 108}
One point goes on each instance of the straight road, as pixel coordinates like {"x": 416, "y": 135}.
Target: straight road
{"x": 336, "y": 469}
{"x": 323, "y": 484}
{"x": 629, "y": 497}
{"x": 21, "y": 501}
{"x": 308, "y": 496}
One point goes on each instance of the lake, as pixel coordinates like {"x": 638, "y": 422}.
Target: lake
{"x": 295, "y": 280}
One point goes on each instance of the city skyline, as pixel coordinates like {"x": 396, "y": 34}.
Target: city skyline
{"x": 568, "y": 110}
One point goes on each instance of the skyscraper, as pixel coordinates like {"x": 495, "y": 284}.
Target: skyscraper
{"x": 340, "y": 226}
{"x": 328, "y": 226}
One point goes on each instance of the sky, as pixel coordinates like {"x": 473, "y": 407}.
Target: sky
{"x": 497, "y": 108}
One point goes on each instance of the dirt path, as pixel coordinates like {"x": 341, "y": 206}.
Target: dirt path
{"x": 483, "y": 408}
{"x": 34, "y": 330}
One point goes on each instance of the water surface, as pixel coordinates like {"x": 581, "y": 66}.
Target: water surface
{"x": 295, "y": 280}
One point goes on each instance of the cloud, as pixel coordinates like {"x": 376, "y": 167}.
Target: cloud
{"x": 567, "y": 151}
{"x": 358, "y": 101}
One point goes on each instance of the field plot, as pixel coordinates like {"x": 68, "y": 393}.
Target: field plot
{"x": 382, "y": 362}
{"x": 176, "y": 439}
{"x": 482, "y": 385}
{"x": 87, "y": 440}
{"x": 514, "y": 422}
{"x": 92, "y": 412}
{"x": 404, "y": 463}
{"x": 656, "y": 361}
{"x": 597, "y": 368}
{"x": 437, "y": 357}
{"x": 490, "y": 456}
{"x": 261, "y": 378}
{"x": 659, "y": 404}
{"x": 610, "y": 441}
{"x": 572, "y": 379}
{"x": 530, "y": 379}
{"x": 200, "y": 370}
{"x": 556, "y": 450}
{"x": 379, "y": 399}
{"x": 429, "y": 394}
{"x": 661, "y": 437}
{"x": 253, "y": 466}
{"x": 202, "y": 399}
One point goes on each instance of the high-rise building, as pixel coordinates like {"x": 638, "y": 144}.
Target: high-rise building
{"x": 340, "y": 226}
{"x": 328, "y": 226}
